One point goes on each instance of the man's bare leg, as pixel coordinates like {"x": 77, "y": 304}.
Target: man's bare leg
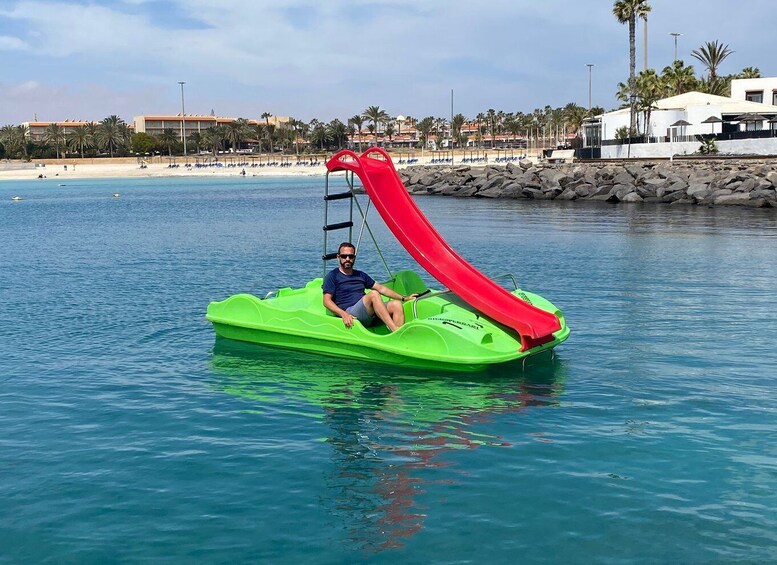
{"x": 397, "y": 313}
{"x": 376, "y": 306}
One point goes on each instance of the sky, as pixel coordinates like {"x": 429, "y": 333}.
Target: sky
{"x": 326, "y": 59}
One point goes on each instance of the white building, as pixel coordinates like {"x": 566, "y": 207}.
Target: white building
{"x": 763, "y": 90}
{"x": 678, "y": 124}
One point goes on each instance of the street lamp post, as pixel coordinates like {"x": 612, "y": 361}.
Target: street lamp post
{"x": 675, "y": 35}
{"x": 590, "y": 67}
{"x": 183, "y": 119}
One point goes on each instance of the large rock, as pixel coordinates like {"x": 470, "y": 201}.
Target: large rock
{"x": 698, "y": 190}
{"x": 512, "y": 190}
{"x": 646, "y": 191}
{"x": 533, "y": 193}
{"x": 621, "y": 190}
{"x": 736, "y": 199}
{"x": 568, "y": 194}
{"x": 584, "y": 190}
{"x": 467, "y": 191}
{"x": 493, "y": 183}
{"x": 623, "y": 178}
{"x": 600, "y": 191}
{"x": 631, "y": 197}
{"x": 490, "y": 193}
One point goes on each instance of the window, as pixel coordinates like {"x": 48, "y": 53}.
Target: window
{"x": 774, "y": 98}
{"x": 755, "y": 96}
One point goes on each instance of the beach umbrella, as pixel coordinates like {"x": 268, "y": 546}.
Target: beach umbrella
{"x": 751, "y": 117}
{"x": 679, "y": 124}
{"x": 712, "y": 120}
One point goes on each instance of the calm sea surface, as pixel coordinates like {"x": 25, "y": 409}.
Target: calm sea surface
{"x": 127, "y": 434}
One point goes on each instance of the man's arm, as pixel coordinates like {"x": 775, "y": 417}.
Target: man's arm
{"x": 388, "y": 293}
{"x": 330, "y": 305}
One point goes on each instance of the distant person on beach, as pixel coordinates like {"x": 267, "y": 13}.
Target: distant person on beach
{"x": 344, "y": 294}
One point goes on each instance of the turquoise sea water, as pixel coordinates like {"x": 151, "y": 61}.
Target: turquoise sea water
{"x": 127, "y": 434}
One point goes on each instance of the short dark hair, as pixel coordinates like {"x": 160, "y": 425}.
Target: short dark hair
{"x": 346, "y": 244}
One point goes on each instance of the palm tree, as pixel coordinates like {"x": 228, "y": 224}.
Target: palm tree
{"x": 15, "y": 138}
{"x": 79, "y": 139}
{"x": 358, "y": 122}
{"x": 269, "y": 137}
{"x": 112, "y": 133}
{"x": 750, "y": 72}
{"x": 55, "y": 135}
{"x": 711, "y": 55}
{"x": 491, "y": 123}
{"x": 196, "y": 139}
{"x": 295, "y": 126}
{"x": 388, "y": 129}
{"x": 425, "y": 128}
{"x": 168, "y": 138}
{"x": 213, "y": 137}
{"x": 627, "y": 12}
{"x": 337, "y": 132}
{"x": 377, "y": 116}
{"x": 574, "y": 116}
{"x": 650, "y": 89}
{"x": 457, "y": 123}
{"x": 721, "y": 86}
{"x": 236, "y": 132}
{"x": 320, "y": 135}
{"x": 513, "y": 125}
{"x": 257, "y": 132}
{"x": 678, "y": 78}
{"x": 93, "y": 129}
{"x": 303, "y": 131}
{"x": 8, "y": 137}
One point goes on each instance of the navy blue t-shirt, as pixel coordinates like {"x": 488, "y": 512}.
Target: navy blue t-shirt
{"x": 347, "y": 290}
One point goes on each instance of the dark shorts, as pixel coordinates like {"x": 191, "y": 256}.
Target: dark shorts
{"x": 359, "y": 311}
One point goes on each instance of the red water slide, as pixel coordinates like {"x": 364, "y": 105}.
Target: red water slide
{"x": 429, "y": 249}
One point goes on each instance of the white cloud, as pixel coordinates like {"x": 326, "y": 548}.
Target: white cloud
{"x": 308, "y": 58}
{"x": 8, "y": 43}
{"x": 23, "y": 89}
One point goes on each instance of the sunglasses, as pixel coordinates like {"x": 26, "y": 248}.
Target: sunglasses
{"x": 347, "y": 256}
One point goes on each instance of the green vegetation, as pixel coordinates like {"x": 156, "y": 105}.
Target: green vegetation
{"x": 708, "y": 147}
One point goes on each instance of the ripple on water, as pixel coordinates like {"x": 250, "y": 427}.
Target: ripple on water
{"x": 649, "y": 438}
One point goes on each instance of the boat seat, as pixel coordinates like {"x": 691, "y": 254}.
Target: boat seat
{"x": 406, "y": 282}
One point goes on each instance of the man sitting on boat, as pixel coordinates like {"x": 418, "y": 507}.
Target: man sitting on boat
{"x": 344, "y": 294}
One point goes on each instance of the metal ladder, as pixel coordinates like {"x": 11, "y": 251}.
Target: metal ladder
{"x": 350, "y": 195}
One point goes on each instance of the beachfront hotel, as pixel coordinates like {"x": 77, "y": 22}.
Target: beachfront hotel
{"x": 156, "y": 124}
{"x": 37, "y": 130}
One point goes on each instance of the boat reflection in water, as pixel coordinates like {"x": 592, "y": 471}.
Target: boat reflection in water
{"x": 389, "y": 428}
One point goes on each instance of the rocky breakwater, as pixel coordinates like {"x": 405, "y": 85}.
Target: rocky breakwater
{"x": 739, "y": 183}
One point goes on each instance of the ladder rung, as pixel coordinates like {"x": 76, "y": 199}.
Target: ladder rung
{"x": 338, "y": 196}
{"x": 338, "y": 226}
{"x": 329, "y": 256}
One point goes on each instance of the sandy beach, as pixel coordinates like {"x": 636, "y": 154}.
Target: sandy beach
{"x": 117, "y": 168}
{"x": 130, "y": 167}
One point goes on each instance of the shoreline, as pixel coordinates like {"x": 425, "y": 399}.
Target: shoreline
{"x": 129, "y": 167}
{"x": 696, "y": 183}
{"x": 108, "y": 171}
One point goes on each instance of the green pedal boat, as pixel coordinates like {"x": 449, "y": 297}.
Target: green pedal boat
{"x": 469, "y": 325}
{"x": 441, "y": 331}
